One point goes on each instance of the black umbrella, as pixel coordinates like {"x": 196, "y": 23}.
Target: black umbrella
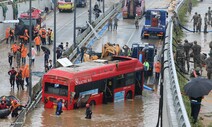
{"x": 45, "y": 49}
{"x": 198, "y": 87}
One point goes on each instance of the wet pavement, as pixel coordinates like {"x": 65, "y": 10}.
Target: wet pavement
{"x": 203, "y": 40}
{"x": 141, "y": 111}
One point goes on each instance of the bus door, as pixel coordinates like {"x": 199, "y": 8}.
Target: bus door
{"x": 109, "y": 90}
{"x": 139, "y": 83}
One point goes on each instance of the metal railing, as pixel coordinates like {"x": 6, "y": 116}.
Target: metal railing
{"x": 180, "y": 116}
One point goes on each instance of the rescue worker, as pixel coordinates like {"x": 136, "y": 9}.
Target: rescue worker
{"x": 126, "y": 50}
{"x": 110, "y": 24}
{"x": 59, "y": 107}
{"x": 19, "y": 80}
{"x": 24, "y": 52}
{"x": 3, "y": 104}
{"x": 59, "y": 52}
{"x": 195, "y": 107}
{"x": 26, "y": 36}
{"x": 196, "y": 55}
{"x": 115, "y": 25}
{"x": 18, "y": 58}
{"x": 14, "y": 48}
{"x": 157, "y": 66}
{"x": 43, "y": 36}
{"x": 88, "y": 112}
{"x": 10, "y": 57}
{"x": 33, "y": 53}
{"x": 195, "y": 21}
{"x": 209, "y": 16}
{"x": 12, "y": 73}
{"x": 37, "y": 42}
{"x": 189, "y": 6}
{"x": 208, "y": 62}
{"x": 12, "y": 35}
{"x": 210, "y": 45}
{"x": 146, "y": 71}
{"x": 206, "y": 23}
{"x": 26, "y": 74}
{"x": 7, "y": 34}
{"x": 187, "y": 47}
{"x": 14, "y": 108}
{"x": 49, "y": 36}
{"x": 61, "y": 46}
{"x": 180, "y": 56}
{"x": 199, "y": 23}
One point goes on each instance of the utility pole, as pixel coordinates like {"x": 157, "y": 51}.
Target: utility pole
{"x": 75, "y": 24}
{"x": 54, "y": 48}
{"x": 30, "y": 51}
{"x": 103, "y": 10}
{"x": 90, "y": 13}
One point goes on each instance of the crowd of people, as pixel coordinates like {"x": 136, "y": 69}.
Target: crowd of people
{"x": 18, "y": 53}
{"x": 197, "y": 21}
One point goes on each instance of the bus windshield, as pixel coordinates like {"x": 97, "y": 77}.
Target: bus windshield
{"x": 57, "y": 89}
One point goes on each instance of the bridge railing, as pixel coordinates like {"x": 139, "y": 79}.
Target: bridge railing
{"x": 176, "y": 112}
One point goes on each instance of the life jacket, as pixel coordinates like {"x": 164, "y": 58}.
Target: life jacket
{"x": 26, "y": 71}
{"x": 43, "y": 33}
{"x": 14, "y": 48}
{"x": 157, "y": 67}
{"x": 24, "y": 52}
{"x": 7, "y": 33}
{"x": 37, "y": 40}
{"x": 14, "y": 106}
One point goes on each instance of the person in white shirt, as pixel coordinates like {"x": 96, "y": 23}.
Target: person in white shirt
{"x": 34, "y": 53}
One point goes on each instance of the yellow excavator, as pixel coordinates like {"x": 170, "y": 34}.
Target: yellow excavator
{"x": 108, "y": 49}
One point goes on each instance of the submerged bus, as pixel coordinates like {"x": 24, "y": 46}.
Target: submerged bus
{"x": 95, "y": 82}
{"x": 133, "y": 7}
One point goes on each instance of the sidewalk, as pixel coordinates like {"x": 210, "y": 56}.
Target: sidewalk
{"x": 203, "y": 40}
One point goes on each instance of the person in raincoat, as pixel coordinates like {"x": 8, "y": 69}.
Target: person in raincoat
{"x": 26, "y": 74}
{"x": 37, "y": 42}
{"x": 24, "y": 52}
{"x": 34, "y": 53}
{"x": 59, "y": 107}
{"x": 7, "y": 34}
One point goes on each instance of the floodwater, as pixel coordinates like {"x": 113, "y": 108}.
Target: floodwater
{"x": 137, "y": 112}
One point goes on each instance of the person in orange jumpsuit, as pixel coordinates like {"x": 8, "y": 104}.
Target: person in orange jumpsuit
{"x": 26, "y": 73}
{"x": 14, "y": 48}
{"x": 7, "y": 34}
{"x": 157, "y": 66}
{"x": 24, "y": 52}
{"x": 37, "y": 42}
{"x": 43, "y": 36}
{"x": 12, "y": 35}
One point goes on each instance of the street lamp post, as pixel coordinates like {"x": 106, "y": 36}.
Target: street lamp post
{"x": 30, "y": 51}
{"x": 74, "y": 24}
{"x": 103, "y": 10}
{"x": 54, "y": 48}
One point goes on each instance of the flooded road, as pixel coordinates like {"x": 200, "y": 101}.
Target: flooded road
{"x": 137, "y": 112}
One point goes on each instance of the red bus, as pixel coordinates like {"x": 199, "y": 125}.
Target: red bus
{"x": 95, "y": 82}
{"x": 133, "y": 7}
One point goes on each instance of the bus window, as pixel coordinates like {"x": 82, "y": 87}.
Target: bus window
{"x": 58, "y": 89}
{"x": 67, "y": 0}
{"x": 130, "y": 79}
{"x": 120, "y": 81}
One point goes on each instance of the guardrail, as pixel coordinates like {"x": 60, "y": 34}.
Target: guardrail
{"x": 88, "y": 33}
{"x": 180, "y": 118}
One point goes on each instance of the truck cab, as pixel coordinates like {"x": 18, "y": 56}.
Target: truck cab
{"x": 155, "y": 23}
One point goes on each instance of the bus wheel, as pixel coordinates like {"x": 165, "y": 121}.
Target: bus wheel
{"x": 129, "y": 95}
{"x": 92, "y": 103}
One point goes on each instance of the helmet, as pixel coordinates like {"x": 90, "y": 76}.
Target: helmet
{"x": 87, "y": 105}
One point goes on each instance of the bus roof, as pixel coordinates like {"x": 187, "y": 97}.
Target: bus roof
{"x": 97, "y": 67}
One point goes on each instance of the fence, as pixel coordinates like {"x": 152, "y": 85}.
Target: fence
{"x": 176, "y": 112}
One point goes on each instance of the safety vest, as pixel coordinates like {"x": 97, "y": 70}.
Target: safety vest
{"x": 37, "y": 40}
{"x": 146, "y": 66}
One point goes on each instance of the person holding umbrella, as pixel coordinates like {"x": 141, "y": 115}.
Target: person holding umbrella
{"x": 196, "y": 89}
